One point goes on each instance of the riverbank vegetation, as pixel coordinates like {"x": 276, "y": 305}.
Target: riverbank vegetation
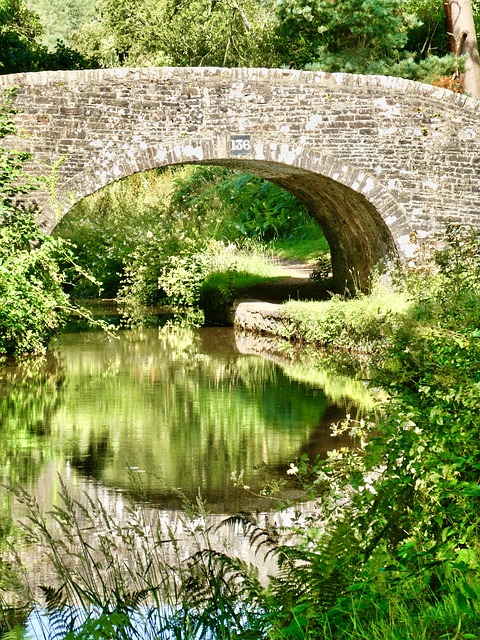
{"x": 388, "y": 547}
{"x": 363, "y": 324}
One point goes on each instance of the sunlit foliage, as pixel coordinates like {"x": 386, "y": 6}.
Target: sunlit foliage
{"x": 33, "y": 301}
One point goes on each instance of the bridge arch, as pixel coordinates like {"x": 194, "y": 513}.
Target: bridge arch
{"x": 362, "y": 222}
{"x": 377, "y": 160}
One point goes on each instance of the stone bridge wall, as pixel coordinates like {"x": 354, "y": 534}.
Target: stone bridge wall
{"x": 377, "y": 160}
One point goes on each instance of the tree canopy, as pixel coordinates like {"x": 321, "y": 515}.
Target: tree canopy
{"x": 408, "y": 38}
{"x": 20, "y": 43}
{"x": 341, "y": 36}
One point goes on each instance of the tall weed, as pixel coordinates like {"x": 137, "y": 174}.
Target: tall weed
{"x": 135, "y": 576}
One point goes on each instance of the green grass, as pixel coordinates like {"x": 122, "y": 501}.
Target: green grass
{"x": 305, "y": 249}
{"x": 237, "y": 280}
{"x": 357, "y": 324}
{"x": 250, "y": 258}
{"x": 408, "y": 611}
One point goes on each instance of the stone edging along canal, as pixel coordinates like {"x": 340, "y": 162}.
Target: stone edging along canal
{"x": 259, "y": 317}
{"x": 269, "y": 318}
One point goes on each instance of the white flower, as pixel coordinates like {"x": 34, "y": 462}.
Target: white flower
{"x": 293, "y": 469}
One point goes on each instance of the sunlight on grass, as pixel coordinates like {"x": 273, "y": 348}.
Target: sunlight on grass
{"x": 249, "y": 258}
{"x": 379, "y": 301}
{"x": 306, "y": 249}
{"x": 356, "y": 324}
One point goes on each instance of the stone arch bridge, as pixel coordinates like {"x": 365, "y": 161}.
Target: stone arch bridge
{"x": 380, "y": 162}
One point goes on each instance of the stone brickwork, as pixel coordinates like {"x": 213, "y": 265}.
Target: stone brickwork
{"x": 379, "y": 161}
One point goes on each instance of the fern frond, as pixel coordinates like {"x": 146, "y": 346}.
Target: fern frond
{"x": 54, "y": 598}
{"x": 260, "y": 536}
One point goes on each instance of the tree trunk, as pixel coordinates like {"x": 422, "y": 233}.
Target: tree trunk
{"x": 463, "y": 41}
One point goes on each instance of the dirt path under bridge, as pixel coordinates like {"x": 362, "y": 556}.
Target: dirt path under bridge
{"x": 296, "y": 285}
{"x": 260, "y": 310}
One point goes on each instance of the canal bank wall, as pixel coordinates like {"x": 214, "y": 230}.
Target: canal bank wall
{"x": 261, "y": 318}
{"x": 360, "y": 325}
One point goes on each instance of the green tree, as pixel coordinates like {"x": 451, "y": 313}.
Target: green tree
{"x": 428, "y": 36}
{"x": 33, "y": 303}
{"x": 20, "y": 48}
{"x": 61, "y": 18}
{"x": 234, "y": 33}
{"x": 19, "y": 27}
{"x": 406, "y": 38}
{"x": 346, "y": 35}
{"x": 199, "y": 33}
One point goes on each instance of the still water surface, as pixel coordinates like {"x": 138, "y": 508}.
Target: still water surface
{"x": 152, "y": 413}
{"x": 177, "y": 409}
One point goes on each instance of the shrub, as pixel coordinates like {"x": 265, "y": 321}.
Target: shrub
{"x": 33, "y": 302}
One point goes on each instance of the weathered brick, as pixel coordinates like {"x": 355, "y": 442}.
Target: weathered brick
{"x": 374, "y": 158}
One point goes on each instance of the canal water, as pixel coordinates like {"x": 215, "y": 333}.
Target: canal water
{"x": 174, "y": 409}
{"x": 164, "y": 415}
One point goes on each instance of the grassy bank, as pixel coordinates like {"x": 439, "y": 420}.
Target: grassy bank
{"x": 361, "y": 324}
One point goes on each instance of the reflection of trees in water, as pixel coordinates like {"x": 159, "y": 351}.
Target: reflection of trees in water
{"x": 91, "y": 461}
{"x": 165, "y": 404}
{"x": 30, "y": 394}
{"x": 189, "y": 410}
{"x": 182, "y": 406}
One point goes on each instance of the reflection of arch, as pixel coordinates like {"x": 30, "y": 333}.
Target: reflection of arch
{"x": 361, "y": 220}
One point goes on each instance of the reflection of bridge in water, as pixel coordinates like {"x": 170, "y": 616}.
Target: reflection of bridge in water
{"x": 140, "y": 518}
{"x": 170, "y": 536}
{"x": 378, "y": 161}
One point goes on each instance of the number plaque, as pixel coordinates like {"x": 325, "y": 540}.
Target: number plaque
{"x": 240, "y": 144}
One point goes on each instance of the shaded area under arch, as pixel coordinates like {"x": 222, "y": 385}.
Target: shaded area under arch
{"x": 362, "y": 231}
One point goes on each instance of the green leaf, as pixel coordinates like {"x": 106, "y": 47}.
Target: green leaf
{"x": 470, "y": 593}
{"x": 462, "y": 601}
